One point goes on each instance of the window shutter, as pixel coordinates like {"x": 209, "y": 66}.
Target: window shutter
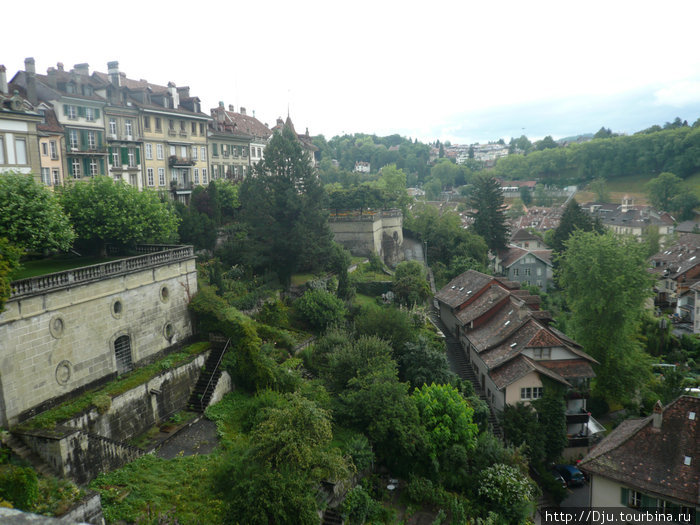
{"x": 102, "y": 166}
{"x": 65, "y": 110}
{"x": 138, "y": 155}
{"x": 125, "y": 156}
{"x": 81, "y": 111}
{"x": 99, "y": 139}
{"x": 86, "y": 166}
{"x": 648, "y": 502}
{"x": 97, "y": 113}
{"x": 68, "y": 140}
{"x": 109, "y": 149}
{"x": 70, "y": 165}
{"x": 624, "y": 495}
{"x": 83, "y": 138}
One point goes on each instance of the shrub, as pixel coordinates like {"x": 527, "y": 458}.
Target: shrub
{"x": 19, "y": 486}
{"x": 102, "y": 402}
{"x": 320, "y": 309}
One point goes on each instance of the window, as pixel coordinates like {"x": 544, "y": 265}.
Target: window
{"x": 89, "y": 114}
{"x": 147, "y": 123}
{"x": 203, "y": 151}
{"x": 183, "y": 152}
{"x": 259, "y": 152}
{"x": 161, "y": 176}
{"x": 131, "y": 154}
{"x": 122, "y": 354}
{"x": 515, "y": 272}
{"x": 71, "y": 112}
{"x": 171, "y": 124}
{"x": 54, "y": 149}
{"x": 2, "y": 151}
{"x": 93, "y": 167}
{"x": 201, "y": 128}
{"x": 215, "y": 167}
{"x": 539, "y": 283}
{"x": 215, "y": 149}
{"x": 128, "y": 128}
{"x": 149, "y": 151}
{"x": 21, "y": 149}
{"x": 173, "y": 175}
{"x": 526, "y": 393}
{"x": 158, "y": 126}
{"x": 527, "y": 271}
{"x": 44, "y": 149}
{"x": 634, "y": 499}
{"x": 159, "y": 151}
{"x": 244, "y": 152}
{"x": 113, "y": 126}
{"x": 537, "y": 392}
{"x": 194, "y": 128}
{"x": 115, "y": 158}
{"x": 194, "y": 152}
{"x": 56, "y": 176}
{"x": 204, "y": 175}
{"x": 539, "y": 271}
{"x": 172, "y": 151}
{"x": 46, "y": 176}
{"x": 75, "y": 164}
{"x": 149, "y": 177}
{"x": 196, "y": 175}
{"x": 92, "y": 140}
{"x": 182, "y": 126}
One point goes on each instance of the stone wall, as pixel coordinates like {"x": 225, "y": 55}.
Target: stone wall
{"x": 59, "y": 331}
{"x": 362, "y": 235}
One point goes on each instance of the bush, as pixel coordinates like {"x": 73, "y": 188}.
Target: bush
{"x": 359, "y": 507}
{"x": 320, "y": 309}
{"x": 19, "y": 486}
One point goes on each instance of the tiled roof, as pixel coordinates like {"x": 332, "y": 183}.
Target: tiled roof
{"x": 51, "y": 125}
{"x": 462, "y": 287}
{"x": 523, "y": 234}
{"x": 544, "y": 338}
{"x": 482, "y": 304}
{"x": 678, "y": 258}
{"x": 569, "y": 368}
{"x": 628, "y": 216}
{"x": 512, "y": 254}
{"x": 654, "y": 459}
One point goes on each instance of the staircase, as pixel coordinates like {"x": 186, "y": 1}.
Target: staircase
{"x": 331, "y": 517}
{"x": 461, "y": 367}
{"x": 23, "y": 451}
{"x": 209, "y": 376}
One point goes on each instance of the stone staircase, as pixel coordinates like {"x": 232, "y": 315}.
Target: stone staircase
{"x": 331, "y": 517}
{"x": 209, "y": 376}
{"x": 461, "y": 367}
{"x": 21, "y": 450}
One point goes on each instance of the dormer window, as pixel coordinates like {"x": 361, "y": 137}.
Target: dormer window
{"x": 70, "y": 88}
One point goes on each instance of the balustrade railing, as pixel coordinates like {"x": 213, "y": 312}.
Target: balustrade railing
{"x": 153, "y": 257}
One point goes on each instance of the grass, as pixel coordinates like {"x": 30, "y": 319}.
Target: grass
{"x": 36, "y": 267}
{"x": 69, "y": 409}
{"x": 156, "y": 490}
{"x": 302, "y": 278}
{"x": 364, "y": 300}
{"x": 56, "y": 496}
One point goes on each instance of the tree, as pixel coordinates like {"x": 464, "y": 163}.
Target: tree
{"x": 9, "y": 263}
{"x": 573, "y": 218}
{"x": 600, "y": 188}
{"x": 31, "y": 217}
{"x": 410, "y": 284}
{"x": 489, "y": 215}
{"x": 546, "y": 143}
{"x": 104, "y": 211}
{"x": 525, "y": 195}
{"x": 603, "y": 133}
{"x": 320, "y": 308}
{"x": 683, "y": 205}
{"x": 422, "y": 364}
{"x": 663, "y": 189}
{"x": 284, "y": 208}
{"x": 606, "y": 285}
{"x": 510, "y": 492}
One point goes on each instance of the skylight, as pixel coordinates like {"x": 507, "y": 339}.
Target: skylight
{"x": 507, "y": 322}
{"x": 691, "y": 416}
{"x": 453, "y": 287}
{"x": 513, "y": 345}
{"x": 686, "y": 460}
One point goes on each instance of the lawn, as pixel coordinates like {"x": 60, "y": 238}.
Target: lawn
{"x": 364, "y": 300}
{"x": 56, "y": 264}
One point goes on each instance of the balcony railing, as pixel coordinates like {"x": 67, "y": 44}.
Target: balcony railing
{"x": 577, "y": 417}
{"x": 178, "y": 161}
{"x": 180, "y": 185}
{"x": 86, "y": 274}
{"x": 89, "y": 150}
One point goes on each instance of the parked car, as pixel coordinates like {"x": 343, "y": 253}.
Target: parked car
{"x": 560, "y": 479}
{"x": 572, "y": 475}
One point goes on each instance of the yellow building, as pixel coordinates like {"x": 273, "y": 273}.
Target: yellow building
{"x": 51, "y": 147}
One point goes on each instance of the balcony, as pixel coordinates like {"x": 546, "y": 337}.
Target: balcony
{"x": 87, "y": 150}
{"x": 183, "y": 133}
{"x": 172, "y": 133}
{"x": 180, "y": 186}
{"x": 577, "y": 417}
{"x": 578, "y": 441}
{"x": 175, "y": 161}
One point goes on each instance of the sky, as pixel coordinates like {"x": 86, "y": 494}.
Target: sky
{"x": 462, "y": 71}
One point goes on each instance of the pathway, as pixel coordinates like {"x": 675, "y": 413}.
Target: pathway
{"x": 199, "y": 438}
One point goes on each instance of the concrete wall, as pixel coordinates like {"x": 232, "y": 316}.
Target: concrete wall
{"x": 58, "y": 331}
{"x": 531, "y": 380}
{"x": 362, "y": 235}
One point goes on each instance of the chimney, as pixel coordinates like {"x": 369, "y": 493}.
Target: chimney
{"x": 184, "y": 91}
{"x": 230, "y": 108}
{"x": 174, "y": 94}
{"x": 113, "y": 72}
{"x": 253, "y": 113}
{"x": 30, "y": 69}
{"x": 221, "y": 104}
{"x": 657, "y": 416}
{"x": 242, "y": 111}
{"x": 82, "y": 69}
{"x": 3, "y": 80}
{"x": 59, "y": 66}
{"x": 51, "y": 73}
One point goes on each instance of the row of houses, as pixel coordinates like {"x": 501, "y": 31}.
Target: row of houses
{"x": 67, "y": 125}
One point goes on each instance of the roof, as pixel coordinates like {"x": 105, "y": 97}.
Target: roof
{"x": 513, "y": 254}
{"x": 652, "y": 459}
{"x": 244, "y": 124}
{"x": 51, "y": 125}
{"x": 482, "y": 304}
{"x": 523, "y": 234}
{"x": 679, "y": 257}
{"x": 627, "y": 215}
{"x": 569, "y": 368}
{"x": 462, "y": 288}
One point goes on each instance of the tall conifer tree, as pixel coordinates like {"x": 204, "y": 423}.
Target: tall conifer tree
{"x": 489, "y": 216}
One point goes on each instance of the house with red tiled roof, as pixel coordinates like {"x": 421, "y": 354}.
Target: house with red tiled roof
{"x": 676, "y": 269}
{"x": 513, "y": 350}
{"x": 650, "y": 464}
{"x": 305, "y": 139}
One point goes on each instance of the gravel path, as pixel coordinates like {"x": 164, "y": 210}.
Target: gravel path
{"x": 199, "y": 438}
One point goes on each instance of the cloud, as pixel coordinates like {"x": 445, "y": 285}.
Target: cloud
{"x": 679, "y": 94}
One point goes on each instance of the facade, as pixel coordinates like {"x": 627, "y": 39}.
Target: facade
{"x": 249, "y": 125}
{"x": 230, "y": 150}
{"x": 51, "y": 147}
{"x": 651, "y": 464}
{"x": 676, "y": 269}
{"x": 68, "y": 330}
{"x": 18, "y": 131}
{"x": 514, "y": 351}
{"x": 525, "y": 266}
{"x": 628, "y": 219}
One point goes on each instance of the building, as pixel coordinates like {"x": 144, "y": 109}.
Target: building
{"x": 305, "y": 140}
{"x": 19, "y": 149}
{"x": 230, "y": 149}
{"x": 650, "y": 464}
{"x": 628, "y": 219}
{"x": 676, "y": 269}
{"x": 249, "y": 125}
{"x": 362, "y": 167}
{"x": 51, "y": 147}
{"x": 529, "y": 267}
{"x": 514, "y": 351}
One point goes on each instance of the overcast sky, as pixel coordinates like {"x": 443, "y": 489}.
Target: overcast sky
{"x": 460, "y": 71}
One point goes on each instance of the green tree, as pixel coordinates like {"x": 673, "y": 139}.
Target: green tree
{"x": 410, "y": 283}
{"x": 284, "y": 208}
{"x": 551, "y": 413}
{"x": 31, "y": 217}
{"x": 320, "y": 308}
{"x": 663, "y": 189}
{"x": 546, "y": 143}
{"x": 104, "y": 211}
{"x": 422, "y": 363}
{"x": 525, "y": 195}
{"x": 606, "y": 285}
{"x": 603, "y": 133}
{"x": 683, "y": 205}
{"x": 600, "y": 188}
{"x": 9, "y": 263}
{"x": 573, "y": 218}
{"x": 486, "y": 200}
{"x": 509, "y": 492}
